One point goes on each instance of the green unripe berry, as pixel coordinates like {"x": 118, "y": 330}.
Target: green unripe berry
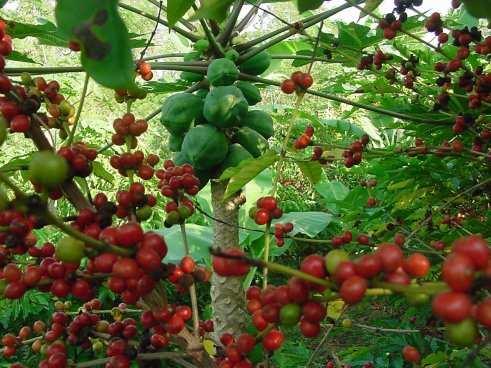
{"x": 70, "y": 250}
{"x": 48, "y": 169}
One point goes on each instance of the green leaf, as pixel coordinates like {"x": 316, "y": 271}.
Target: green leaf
{"x": 307, "y": 223}
{"x": 304, "y": 5}
{"x": 101, "y": 172}
{"x": 176, "y": 9}
{"x": 17, "y": 56}
{"x": 46, "y": 33}
{"x": 164, "y": 87}
{"x": 332, "y": 191}
{"x": 98, "y": 27}
{"x": 200, "y": 239}
{"x": 214, "y": 9}
{"x": 370, "y": 6}
{"x": 312, "y": 170}
{"x": 2, "y": 3}
{"x": 246, "y": 171}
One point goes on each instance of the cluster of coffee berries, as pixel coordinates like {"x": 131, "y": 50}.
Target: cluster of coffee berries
{"x": 377, "y": 59}
{"x": 409, "y": 70}
{"x": 186, "y": 273}
{"x": 17, "y": 235}
{"x": 462, "y": 123}
{"x": 434, "y": 24}
{"x": 305, "y": 139}
{"x": 298, "y": 82}
{"x": 235, "y": 351}
{"x": 79, "y": 158}
{"x": 145, "y": 70}
{"x": 265, "y": 211}
{"x": 353, "y": 155}
{"x": 291, "y": 304}
{"x": 134, "y": 201}
{"x": 127, "y": 129}
{"x": 178, "y": 182}
{"x": 470, "y": 259}
{"x": 230, "y": 263}
{"x": 484, "y": 47}
{"x": 135, "y": 162}
{"x": 340, "y": 240}
{"x": 390, "y": 25}
{"x": 279, "y": 232}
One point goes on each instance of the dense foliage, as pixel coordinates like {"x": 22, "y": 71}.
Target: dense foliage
{"x": 302, "y": 193}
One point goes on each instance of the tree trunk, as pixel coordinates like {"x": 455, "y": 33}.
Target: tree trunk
{"x": 227, "y": 293}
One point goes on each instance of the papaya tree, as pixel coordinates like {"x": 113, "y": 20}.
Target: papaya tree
{"x": 383, "y": 132}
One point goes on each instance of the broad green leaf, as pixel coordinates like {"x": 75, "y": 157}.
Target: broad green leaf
{"x": 355, "y": 36}
{"x": 46, "y": 32}
{"x": 98, "y": 27}
{"x": 17, "y": 56}
{"x": 101, "y": 172}
{"x": 343, "y": 126}
{"x": 332, "y": 191}
{"x": 312, "y": 170}
{"x": 307, "y": 223}
{"x": 2, "y": 3}
{"x": 246, "y": 171}
{"x": 200, "y": 239}
{"x": 164, "y": 87}
{"x": 304, "y": 5}
{"x": 214, "y": 9}
{"x": 176, "y": 9}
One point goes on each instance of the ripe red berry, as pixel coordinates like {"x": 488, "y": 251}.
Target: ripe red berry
{"x": 353, "y": 289}
{"x": 314, "y": 265}
{"x": 483, "y": 313}
{"x": 416, "y": 265}
{"x": 262, "y": 217}
{"x": 475, "y": 247}
{"x": 458, "y": 272}
{"x": 368, "y": 266}
{"x": 273, "y": 340}
{"x": 288, "y": 86}
{"x": 391, "y": 256}
{"x": 411, "y": 354}
{"x": 451, "y": 306}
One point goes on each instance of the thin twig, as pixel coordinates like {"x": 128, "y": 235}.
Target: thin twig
{"x": 79, "y": 110}
{"x": 152, "y": 35}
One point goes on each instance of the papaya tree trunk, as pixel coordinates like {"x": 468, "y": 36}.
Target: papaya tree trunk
{"x": 227, "y": 293}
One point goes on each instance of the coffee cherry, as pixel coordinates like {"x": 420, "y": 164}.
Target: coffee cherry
{"x": 463, "y": 333}
{"x": 483, "y": 313}
{"x": 309, "y": 329}
{"x": 288, "y": 86}
{"x": 416, "y": 265}
{"x": 475, "y": 247}
{"x": 458, "y": 272}
{"x": 411, "y": 354}
{"x": 353, "y": 289}
{"x": 47, "y": 169}
{"x": 273, "y": 340}
{"x": 70, "y": 250}
{"x": 452, "y": 306}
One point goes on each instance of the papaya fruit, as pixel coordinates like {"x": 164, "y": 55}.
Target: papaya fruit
{"x": 257, "y": 64}
{"x": 202, "y": 45}
{"x": 205, "y": 146}
{"x": 201, "y": 93}
{"x": 252, "y": 141}
{"x": 236, "y": 154}
{"x": 250, "y": 92}
{"x": 232, "y": 55}
{"x": 260, "y": 121}
{"x": 190, "y": 76}
{"x": 225, "y": 106}
{"x": 175, "y": 142}
{"x": 222, "y": 72}
{"x": 179, "y": 111}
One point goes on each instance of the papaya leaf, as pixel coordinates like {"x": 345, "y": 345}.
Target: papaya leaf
{"x": 213, "y": 9}
{"x": 304, "y": 5}
{"x": 176, "y": 9}
{"x": 370, "y": 6}
{"x": 307, "y": 223}
{"x": 311, "y": 170}
{"x": 103, "y": 37}
{"x": 246, "y": 171}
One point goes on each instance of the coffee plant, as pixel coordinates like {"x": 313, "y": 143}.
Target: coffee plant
{"x": 182, "y": 265}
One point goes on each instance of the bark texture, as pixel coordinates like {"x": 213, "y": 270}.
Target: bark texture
{"x": 227, "y": 293}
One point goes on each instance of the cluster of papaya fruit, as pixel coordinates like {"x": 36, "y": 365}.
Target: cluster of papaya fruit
{"x": 214, "y": 128}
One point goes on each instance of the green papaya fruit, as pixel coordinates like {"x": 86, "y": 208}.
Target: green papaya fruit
{"x": 222, "y": 72}
{"x": 260, "y": 121}
{"x": 252, "y": 141}
{"x": 236, "y": 154}
{"x": 179, "y": 111}
{"x": 175, "y": 142}
{"x": 205, "y": 146}
{"x": 250, "y": 92}
{"x": 201, "y": 93}
{"x": 190, "y": 76}
{"x": 225, "y": 106}
{"x": 232, "y": 55}
{"x": 257, "y": 64}
{"x": 202, "y": 45}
